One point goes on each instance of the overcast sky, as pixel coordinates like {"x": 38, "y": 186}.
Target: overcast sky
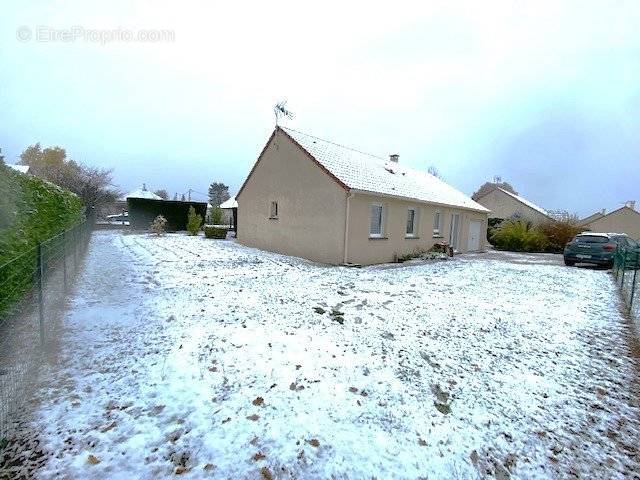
{"x": 544, "y": 94}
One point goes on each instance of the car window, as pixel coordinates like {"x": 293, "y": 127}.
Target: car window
{"x": 591, "y": 239}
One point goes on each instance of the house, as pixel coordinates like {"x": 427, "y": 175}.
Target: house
{"x": 504, "y": 204}
{"x": 312, "y": 198}
{"x": 625, "y": 219}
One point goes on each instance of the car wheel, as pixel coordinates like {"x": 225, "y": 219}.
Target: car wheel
{"x": 569, "y": 263}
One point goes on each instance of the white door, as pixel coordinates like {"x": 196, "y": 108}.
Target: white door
{"x": 475, "y": 229}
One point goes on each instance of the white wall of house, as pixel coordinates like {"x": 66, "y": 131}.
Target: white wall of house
{"x": 310, "y": 205}
{"x": 623, "y": 220}
{"x": 366, "y": 248}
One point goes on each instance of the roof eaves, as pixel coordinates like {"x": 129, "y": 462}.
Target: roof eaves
{"x": 402, "y": 197}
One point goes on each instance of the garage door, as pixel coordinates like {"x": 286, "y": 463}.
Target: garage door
{"x": 475, "y": 227}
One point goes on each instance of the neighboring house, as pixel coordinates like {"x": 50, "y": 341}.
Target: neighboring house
{"x": 623, "y": 220}
{"x": 504, "y": 204}
{"x": 315, "y": 199}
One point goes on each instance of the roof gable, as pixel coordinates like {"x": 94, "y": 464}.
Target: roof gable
{"x": 523, "y": 201}
{"x": 619, "y": 210}
{"x": 367, "y": 173}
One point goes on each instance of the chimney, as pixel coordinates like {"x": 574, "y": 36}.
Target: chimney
{"x": 603, "y": 211}
{"x": 394, "y": 157}
{"x": 144, "y": 187}
{"x": 631, "y": 204}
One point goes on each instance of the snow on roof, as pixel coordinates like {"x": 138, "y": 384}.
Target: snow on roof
{"x": 141, "y": 193}
{"x": 525, "y": 201}
{"x": 591, "y": 218}
{"x": 370, "y": 173}
{"x": 20, "y": 168}
{"x": 231, "y": 203}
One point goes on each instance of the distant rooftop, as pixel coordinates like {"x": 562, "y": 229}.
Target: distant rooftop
{"x": 525, "y": 201}
{"x": 141, "y": 193}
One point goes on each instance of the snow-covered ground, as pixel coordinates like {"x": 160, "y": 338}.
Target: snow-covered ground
{"x": 205, "y": 358}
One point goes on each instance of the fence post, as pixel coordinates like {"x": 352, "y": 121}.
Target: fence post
{"x": 624, "y": 261}
{"x": 39, "y": 277}
{"x": 633, "y": 285}
{"x": 64, "y": 258}
{"x": 75, "y": 249}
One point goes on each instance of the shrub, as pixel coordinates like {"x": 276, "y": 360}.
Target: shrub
{"x": 214, "y": 232}
{"x": 519, "y": 236}
{"x": 216, "y": 216}
{"x": 194, "y": 222}
{"x": 31, "y": 211}
{"x": 559, "y": 233}
{"x": 431, "y": 254}
{"x": 159, "y": 225}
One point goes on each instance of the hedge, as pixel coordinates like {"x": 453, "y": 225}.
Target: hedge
{"x": 214, "y": 232}
{"x": 31, "y": 211}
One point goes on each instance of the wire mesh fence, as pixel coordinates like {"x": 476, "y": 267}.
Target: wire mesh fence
{"x": 626, "y": 264}
{"x": 32, "y": 293}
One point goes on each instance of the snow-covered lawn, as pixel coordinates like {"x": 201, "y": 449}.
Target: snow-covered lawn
{"x": 205, "y": 358}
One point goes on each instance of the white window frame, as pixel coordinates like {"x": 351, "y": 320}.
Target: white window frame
{"x": 273, "y": 210}
{"x": 414, "y": 232}
{"x": 437, "y": 228}
{"x": 382, "y": 219}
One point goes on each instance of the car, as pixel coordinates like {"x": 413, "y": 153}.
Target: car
{"x": 596, "y": 248}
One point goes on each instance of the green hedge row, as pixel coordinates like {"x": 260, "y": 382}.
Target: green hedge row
{"x": 214, "y": 232}
{"x": 31, "y": 211}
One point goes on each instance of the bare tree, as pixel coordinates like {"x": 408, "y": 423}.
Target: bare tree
{"x": 162, "y": 193}
{"x": 93, "y": 185}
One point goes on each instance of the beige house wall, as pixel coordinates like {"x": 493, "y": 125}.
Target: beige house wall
{"x": 363, "y": 249}
{"x": 624, "y": 220}
{"x": 311, "y": 205}
{"x": 505, "y": 206}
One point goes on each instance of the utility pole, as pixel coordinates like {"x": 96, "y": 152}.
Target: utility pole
{"x": 189, "y": 194}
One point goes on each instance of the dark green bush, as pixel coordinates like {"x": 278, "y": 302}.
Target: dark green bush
{"x": 216, "y": 216}
{"x": 214, "y": 232}
{"x": 194, "y": 221}
{"x": 31, "y": 211}
{"x": 519, "y": 236}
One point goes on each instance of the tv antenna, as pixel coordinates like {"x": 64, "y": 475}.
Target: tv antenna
{"x": 280, "y": 111}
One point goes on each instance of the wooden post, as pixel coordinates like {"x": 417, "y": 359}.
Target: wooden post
{"x": 39, "y": 286}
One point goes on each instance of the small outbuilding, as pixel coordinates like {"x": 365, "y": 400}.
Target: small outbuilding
{"x": 231, "y": 206}
{"x": 315, "y": 199}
